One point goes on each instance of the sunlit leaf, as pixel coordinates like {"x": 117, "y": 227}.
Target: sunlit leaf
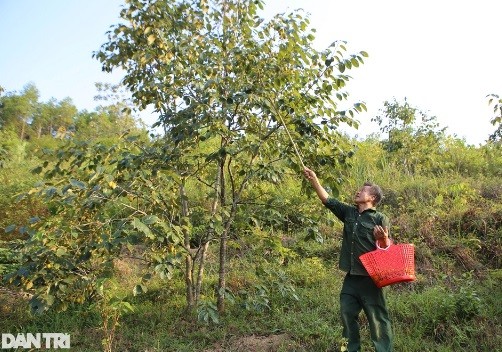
{"x": 140, "y": 226}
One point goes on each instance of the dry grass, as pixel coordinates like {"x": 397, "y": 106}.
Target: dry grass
{"x": 254, "y": 343}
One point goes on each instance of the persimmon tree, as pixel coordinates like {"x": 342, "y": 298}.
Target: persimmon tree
{"x": 231, "y": 91}
{"x": 217, "y": 72}
{"x": 101, "y": 201}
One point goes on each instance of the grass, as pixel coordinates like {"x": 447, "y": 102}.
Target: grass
{"x": 457, "y": 316}
{"x": 448, "y": 309}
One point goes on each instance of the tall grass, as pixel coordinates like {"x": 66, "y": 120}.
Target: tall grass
{"x": 281, "y": 285}
{"x": 462, "y": 314}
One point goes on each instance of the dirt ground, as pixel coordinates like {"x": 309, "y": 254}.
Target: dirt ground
{"x": 253, "y": 343}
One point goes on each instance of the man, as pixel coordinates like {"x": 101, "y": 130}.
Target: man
{"x": 363, "y": 226}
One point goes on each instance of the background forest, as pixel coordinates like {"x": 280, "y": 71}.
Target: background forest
{"x": 200, "y": 233}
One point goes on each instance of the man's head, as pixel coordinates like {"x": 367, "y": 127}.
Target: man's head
{"x": 369, "y": 192}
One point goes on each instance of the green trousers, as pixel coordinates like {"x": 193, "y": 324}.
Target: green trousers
{"x": 360, "y": 293}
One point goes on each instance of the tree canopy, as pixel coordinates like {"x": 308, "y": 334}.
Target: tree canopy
{"x": 217, "y": 71}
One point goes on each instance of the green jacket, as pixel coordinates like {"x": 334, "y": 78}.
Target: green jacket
{"x": 357, "y": 233}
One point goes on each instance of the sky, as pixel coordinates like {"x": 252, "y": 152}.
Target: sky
{"x": 444, "y": 57}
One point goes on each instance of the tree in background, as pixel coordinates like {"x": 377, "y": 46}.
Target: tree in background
{"x": 23, "y": 113}
{"x": 414, "y": 138}
{"x": 54, "y": 118}
{"x": 216, "y": 71}
{"x": 117, "y": 105}
{"x": 113, "y": 117}
{"x": 497, "y": 120}
{"x": 18, "y": 110}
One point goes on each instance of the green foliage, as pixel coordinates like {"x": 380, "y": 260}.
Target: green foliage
{"x": 112, "y": 307}
{"x": 249, "y": 73}
{"x": 228, "y": 87}
{"x": 22, "y": 115}
{"x": 100, "y": 202}
{"x": 496, "y": 101}
{"x": 233, "y": 86}
{"x": 54, "y": 118}
{"x": 445, "y": 316}
{"x": 414, "y": 138}
{"x": 422, "y": 319}
{"x": 207, "y": 312}
{"x": 12, "y": 149}
{"x": 114, "y": 117}
{"x": 9, "y": 258}
{"x": 258, "y": 299}
{"x": 18, "y": 109}
{"x": 15, "y": 178}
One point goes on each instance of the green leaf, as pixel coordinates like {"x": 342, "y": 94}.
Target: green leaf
{"x": 37, "y": 305}
{"x": 78, "y": 184}
{"x": 146, "y": 277}
{"x": 49, "y": 299}
{"x": 214, "y": 316}
{"x": 314, "y": 234}
{"x": 37, "y": 170}
{"x": 150, "y": 219}
{"x": 50, "y": 192}
{"x": 139, "y": 289}
{"x": 126, "y": 307}
{"x": 10, "y": 228}
{"x": 85, "y": 256}
{"x": 61, "y": 251}
{"x": 138, "y": 225}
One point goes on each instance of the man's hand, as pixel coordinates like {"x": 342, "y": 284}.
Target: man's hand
{"x": 381, "y": 234}
{"x": 309, "y": 174}
{"x": 312, "y": 177}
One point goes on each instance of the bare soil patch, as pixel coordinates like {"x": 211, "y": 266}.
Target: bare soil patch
{"x": 254, "y": 343}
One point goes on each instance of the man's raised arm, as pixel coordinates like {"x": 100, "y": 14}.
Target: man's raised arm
{"x": 314, "y": 181}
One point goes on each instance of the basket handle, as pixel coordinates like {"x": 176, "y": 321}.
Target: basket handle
{"x": 384, "y": 249}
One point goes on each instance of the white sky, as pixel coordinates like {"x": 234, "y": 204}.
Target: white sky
{"x": 443, "y": 56}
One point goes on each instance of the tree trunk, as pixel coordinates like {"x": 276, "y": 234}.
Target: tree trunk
{"x": 188, "y": 260}
{"x": 222, "y": 273}
{"x": 200, "y": 272}
{"x": 228, "y": 224}
{"x": 223, "y": 246}
{"x": 223, "y": 258}
{"x": 205, "y": 248}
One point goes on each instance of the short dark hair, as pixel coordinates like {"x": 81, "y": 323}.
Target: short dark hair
{"x": 376, "y": 191}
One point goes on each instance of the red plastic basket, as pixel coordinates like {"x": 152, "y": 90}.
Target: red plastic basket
{"x": 387, "y": 266}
